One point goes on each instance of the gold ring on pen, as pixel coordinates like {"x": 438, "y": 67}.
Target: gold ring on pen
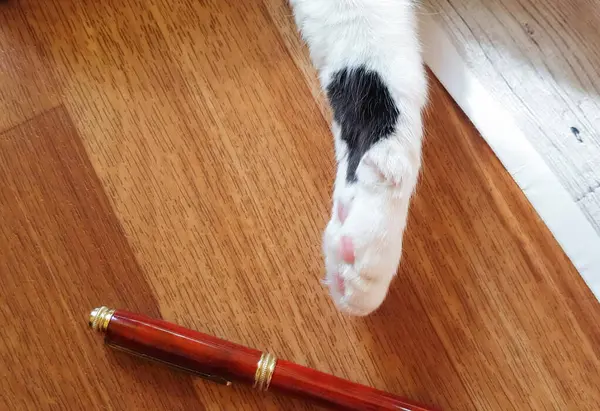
{"x": 264, "y": 371}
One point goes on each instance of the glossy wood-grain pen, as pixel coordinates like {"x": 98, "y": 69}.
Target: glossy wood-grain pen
{"x": 226, "y": 362}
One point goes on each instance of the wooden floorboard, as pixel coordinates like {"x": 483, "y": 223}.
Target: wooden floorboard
{"x": 27, "y": 85}
{"x": 495, "y": 283}
{"x": 181, "y": 166}
{"x": 63, "y": 250}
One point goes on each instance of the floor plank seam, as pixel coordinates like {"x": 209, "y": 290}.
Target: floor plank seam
{"x": 31, "y": 119}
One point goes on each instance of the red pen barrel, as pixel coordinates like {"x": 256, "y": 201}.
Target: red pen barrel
{"x": 334, "y": 392}
{"x": 225, "y": 362}
{"x": 201, "y": 354}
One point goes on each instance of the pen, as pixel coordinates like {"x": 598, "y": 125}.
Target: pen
{"x": 225, "y": 362}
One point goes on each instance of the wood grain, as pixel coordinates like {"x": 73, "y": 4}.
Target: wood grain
{"x": 63, "y": 249}
{"x": 187, "y": 174}
{"x": 27, "y": 86}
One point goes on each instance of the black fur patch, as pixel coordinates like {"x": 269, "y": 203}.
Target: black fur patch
{"x": 363, "y": 107}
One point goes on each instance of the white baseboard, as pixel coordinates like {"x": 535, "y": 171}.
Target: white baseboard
{"x": 552, "y": 202}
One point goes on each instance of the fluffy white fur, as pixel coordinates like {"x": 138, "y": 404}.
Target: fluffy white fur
{"x": 363, "y": 240}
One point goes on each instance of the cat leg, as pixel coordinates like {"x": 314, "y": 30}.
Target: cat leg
{"x": 369, "y": 63}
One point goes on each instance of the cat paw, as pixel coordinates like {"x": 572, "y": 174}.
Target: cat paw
{"x": 362, "y": 243}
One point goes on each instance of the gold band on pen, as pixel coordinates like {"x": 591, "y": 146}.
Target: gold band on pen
{"x": 99, "y": 318}
{"x": 264, "y": 371}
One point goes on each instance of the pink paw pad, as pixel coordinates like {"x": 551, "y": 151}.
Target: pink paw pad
{"x": 347, "y": 249}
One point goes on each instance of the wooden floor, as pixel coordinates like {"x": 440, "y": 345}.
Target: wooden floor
{"x": 174, "y": 159}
